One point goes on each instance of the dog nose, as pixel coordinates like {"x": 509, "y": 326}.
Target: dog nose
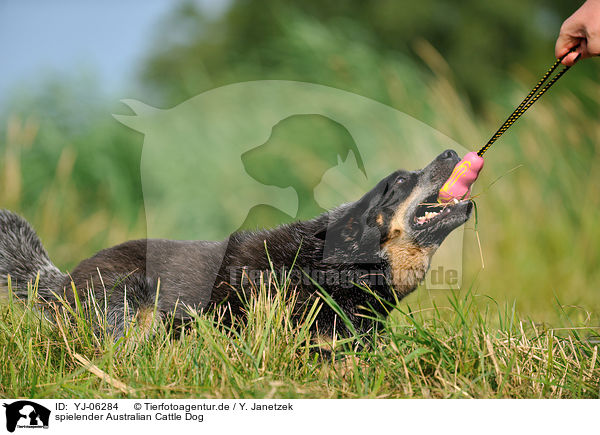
{"x": 449, "y": 154}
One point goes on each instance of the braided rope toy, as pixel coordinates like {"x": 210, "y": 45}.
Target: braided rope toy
{"x": 458, "y": 185}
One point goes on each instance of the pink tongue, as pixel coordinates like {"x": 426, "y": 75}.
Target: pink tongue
{"x": 458, "y": 186}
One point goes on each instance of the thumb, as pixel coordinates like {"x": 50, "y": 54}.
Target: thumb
{"x": 571, "y": 58}
{"x": 564, "y": 44}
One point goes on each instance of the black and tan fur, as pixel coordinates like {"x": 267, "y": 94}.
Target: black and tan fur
{"x": 376, "y": 241}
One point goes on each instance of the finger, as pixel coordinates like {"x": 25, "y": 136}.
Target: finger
{"x": 573, "y": 55}
{"x": 564, "y": 44}
{"x": 571, "y": 58}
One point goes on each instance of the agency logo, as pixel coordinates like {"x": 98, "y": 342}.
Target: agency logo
{"x": 264, "y": 153}
{"x": 25, "y": 414}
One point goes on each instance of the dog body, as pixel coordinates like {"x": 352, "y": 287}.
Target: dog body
{"x": 383, "y": 242}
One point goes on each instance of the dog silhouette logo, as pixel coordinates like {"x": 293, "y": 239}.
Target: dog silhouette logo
{"x": 26, "y": 414}
{"x": 290, "y": 159}
{"x": 259, "y": 154}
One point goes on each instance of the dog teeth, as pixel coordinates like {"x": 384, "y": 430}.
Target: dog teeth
{"x": 427, "y": 216}
{"x": 455, "y": 200}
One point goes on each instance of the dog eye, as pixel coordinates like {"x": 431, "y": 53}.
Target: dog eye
{"x": 400, "y": 179}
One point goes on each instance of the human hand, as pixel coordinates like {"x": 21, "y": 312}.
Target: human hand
{"x": 581, "y": 30}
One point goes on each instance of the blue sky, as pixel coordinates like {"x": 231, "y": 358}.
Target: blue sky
{"x": 105, "y": 39}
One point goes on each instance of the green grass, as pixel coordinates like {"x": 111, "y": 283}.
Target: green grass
{"x": 451, "y": 352}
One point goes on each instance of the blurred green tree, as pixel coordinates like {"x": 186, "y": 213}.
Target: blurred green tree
{"x": 297, "y": 41}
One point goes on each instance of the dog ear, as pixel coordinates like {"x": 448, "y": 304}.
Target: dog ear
{"x": 348, "y": 238}
{"x": 346, "y": 226}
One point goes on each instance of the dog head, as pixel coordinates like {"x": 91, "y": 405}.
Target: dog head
{"x": 404, "y": 205}
{"x": 398, "y": 221}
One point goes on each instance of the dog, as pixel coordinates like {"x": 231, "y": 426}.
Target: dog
{"x": 364, "y": 255}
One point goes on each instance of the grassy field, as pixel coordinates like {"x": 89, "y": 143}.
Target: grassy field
{"x": 436, "y": 353}
{"x": 525, "y": 325}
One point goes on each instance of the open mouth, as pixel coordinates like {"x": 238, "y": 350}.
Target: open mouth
{"x": 429, "y": 211}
